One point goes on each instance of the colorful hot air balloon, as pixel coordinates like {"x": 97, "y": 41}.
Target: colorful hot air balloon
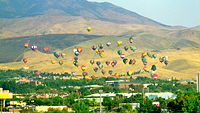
{"x": 98, "y": 63}
{"x": 84, "y": 74}
{"x": 83, "y": 68}
{"x": 119, "y": 52}
{"x": 125, "y": 60}
{"x": 133, "y": 48}
{"x": 94, "y": 47}
{"x": 100, "y": 66}
{"x": 26, "y": 45}
{"x": 76, "y": 53}
{"x": 110, "y": 72}
{"x": 57, "y": 55}
{"x": 96, "y": 69}
{"x": 79, "y": 50}
{"x": 129, "y": 73}
{"x": 107, "y": 62}
{"x": 131, "y": 40}
{"x": 122, "y": 56}
{"x": 92, "y": 62}
{"x": 126, "y": 48}
{"x": 45, "y": 49}
{"x": 154, "y": 55}
{"x": 146, "y": 69}
{"x": 63, "y": 55}
{"x": 89, "y": 29}
{"x": 34, "y": 47}
{"x": 25, "y": 60}
{"x": 132, "y": 61}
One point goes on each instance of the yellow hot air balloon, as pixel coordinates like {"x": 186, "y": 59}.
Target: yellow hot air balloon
{"x": 119, "y": 43}
{"x": 101, "y": 54}
{"x": 116, "y": 75}
{"x": 129, "y": 73}
{"x": 144, "y": 54}
{"x": 53, "y": 61}
{"x": 83, "y": 68}
{"x": 89, "y": 29}
{"x": 61, "y": 62}
{"x": 146, "y": 68}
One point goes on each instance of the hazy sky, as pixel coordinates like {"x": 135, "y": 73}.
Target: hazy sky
{"x": 169, "y": 12}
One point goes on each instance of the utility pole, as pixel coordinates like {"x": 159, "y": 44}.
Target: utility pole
{"x": 100, "y": 91}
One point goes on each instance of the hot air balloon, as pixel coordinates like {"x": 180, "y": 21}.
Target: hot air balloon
{"x": 92, "y": 62}
{"x": 110, "y": 72}
{"x": 63, "y": 55}
{"x": 100, "y": 46}
{"x": 154, "y": 75}
{"x": 98, "y": 63}
{"x": 166, "y": 62}
{"x": 101, "y": 54}
{"x": 100, "y": 66}
{"x": 108, "y": 44}
{"x": 129, "y": 73}
{"x": 61, "y": 62}
{"x": 125, "y": 60}
{"x": 94, "y": 47}
{"x": 126, "y": 48}
{"x": 53, "y": 61}
{"x": 132, "y": 61}
{"x": 73, "y": 73}
{"x": 107, "y": 62}
{"x": 119, "y": 52}
{"x": 84, "y": 74}
{"x": 122, "y": 56}
{"x": 103, "y": 72}
{"x": 96, "y": 69}
{"x": 119, "y": 43}
{"x": 75, "y": 63}
{"x": 116, "y": 75}
{"x": 34, "y": 47}
{"x": 76, "y": 53}
{"x": 25, "y": 60}
{"x": 146, "y": 69}
{"x": 154, "y": 55}
{"x": 131, "y": 40}
{"x": 89, "y": 29}
{"x": 45, "y": 49}
{"x": 26, "y": 45}
{"x": 83, "y": 68}
{"x": 161, "y": 59}
{"x": 79, "y": 50}
{"x": 133, "y": 48}
{"x": 149, "y": 54}
{"x": 144, "y": 54}
{"x": 76, "y": 58}
{"x": 56, "y": 54}
{"x": 153, "y": 68}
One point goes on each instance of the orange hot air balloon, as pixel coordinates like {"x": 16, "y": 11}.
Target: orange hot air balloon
{"x": 25, "y": 60}
{"x": 79, "y": 50}
{"x": 45, "y": 49}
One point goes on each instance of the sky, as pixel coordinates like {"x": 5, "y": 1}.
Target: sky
{"x": 169, "y": 12}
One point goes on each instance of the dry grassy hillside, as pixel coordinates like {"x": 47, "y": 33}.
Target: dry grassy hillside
{"x": 42, "y": 25}
{"x": 184, "y": 63}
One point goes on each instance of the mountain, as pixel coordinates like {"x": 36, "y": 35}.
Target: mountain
{"x": 101, "y": 11}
